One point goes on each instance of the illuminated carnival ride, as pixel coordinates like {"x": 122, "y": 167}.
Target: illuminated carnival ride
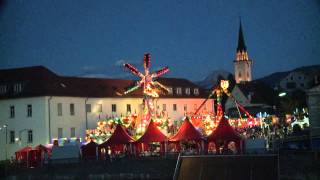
{"x": 203, "y": 120}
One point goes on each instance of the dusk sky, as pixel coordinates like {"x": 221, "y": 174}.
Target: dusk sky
{"x": 192, "y": 37}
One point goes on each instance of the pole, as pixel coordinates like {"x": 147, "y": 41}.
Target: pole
{"x": 6, "y": 148}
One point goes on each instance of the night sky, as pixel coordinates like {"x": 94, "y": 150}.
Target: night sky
{"x": 192, "y": 37}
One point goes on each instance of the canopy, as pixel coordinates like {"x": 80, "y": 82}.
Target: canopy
{"x": 22, "y": 154}
{"x": 186, "y": 132}
{"x": 224, "y": 132}
{"x": 119, "y": 136}
{"x": 89, "y": 150}
{"x": 152, "y": 134}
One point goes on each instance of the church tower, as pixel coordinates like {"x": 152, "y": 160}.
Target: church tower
{"x": 242, "y": 64}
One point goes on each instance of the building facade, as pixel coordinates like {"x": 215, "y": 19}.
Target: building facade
{"x": 38, "y": 106}
{"x": 298, "y": 80}
{"x": 313, "y": 101}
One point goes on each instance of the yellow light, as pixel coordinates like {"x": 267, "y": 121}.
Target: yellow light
{"x": 224, "y": 84}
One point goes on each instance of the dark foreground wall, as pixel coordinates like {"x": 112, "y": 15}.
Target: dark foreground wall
{"x": 246, "y": 167}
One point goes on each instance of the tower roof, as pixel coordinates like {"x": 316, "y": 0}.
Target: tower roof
{"x": 241, "y": 43}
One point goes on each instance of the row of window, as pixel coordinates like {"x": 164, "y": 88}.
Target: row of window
{"x": 187, "y": 91}
{"x": 28, "y": 111}
{"x": 89, "y": 109}
{"x": 114, "y": 107}
{"x": 72, "y": 132}
{"x": 16, "y": 88}
{"x": 29, "y": 136}
{"x": 71, "y": 108}
{"x": 99, "y": 108}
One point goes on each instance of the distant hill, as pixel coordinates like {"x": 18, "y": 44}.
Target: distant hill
{"x": 273, "y": 79}
{"x": 213, "y": 78}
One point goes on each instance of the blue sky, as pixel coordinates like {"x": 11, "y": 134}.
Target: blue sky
{"x": 192, "y": 37}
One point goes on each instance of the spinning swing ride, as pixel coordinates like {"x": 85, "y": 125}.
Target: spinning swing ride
{"x": 209, "y": 121}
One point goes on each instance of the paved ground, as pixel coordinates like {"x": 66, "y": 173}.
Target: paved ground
{"x": 294, "y": 165}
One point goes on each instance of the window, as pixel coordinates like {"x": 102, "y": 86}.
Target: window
{"x": 239, "y": 75}
{"x": 99, "y": 108}
{"x": 29, "y": 110}
{"x": 30, "y": 136}
{"x": 170, "y": 91}
{"x": 72, "y": 109}
{"x": 3, "y": 89}
{"x": 17, "y": 87}
{"x": 59, "y": 109}
{"x": 88, "y": 108}
{"x": 73, "y": 132}
{"x": 164, "y": 107}
{"x": 60, "y": 133}
{"x": 12, "y": 136}
{"x": 174, "y": 107}
{"x": 12, "y": 112}
{"x": 113, "y": 107}
{"x": 187, "y": 90}
{"x": 196, "y": 91}
{"x": 185, "y": 107}
{"x": 179, "y": 91}
{"x": 129, "y": 108}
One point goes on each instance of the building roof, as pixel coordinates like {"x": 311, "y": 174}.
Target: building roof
{"x": 40, "y": 81}
{"x": 259, "y": 92}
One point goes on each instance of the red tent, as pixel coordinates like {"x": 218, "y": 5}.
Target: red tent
{"x": 89, "y": 150}
{"x": 152, "y": 134}
{"x": 119, "y": 136}
{"x": 186, "y": 132}
{"x": 224, "y": 133}
{"x": 117, "y": 141}
{"x": 22, "y": 154}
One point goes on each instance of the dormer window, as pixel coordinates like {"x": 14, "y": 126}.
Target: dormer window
{"x": 17, "y": 88}
{"x": 179, "y": 91}
{"x": 3, "y": 89}
{"x": 63, "y": 85}
{"x": 170, "y": 91}
{"x": 187, "y": 90}
{"x": 196, "y": 91}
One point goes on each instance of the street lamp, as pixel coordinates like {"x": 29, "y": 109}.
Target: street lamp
{"x": 282, "y": 94}
{"x": 5, "y": 126}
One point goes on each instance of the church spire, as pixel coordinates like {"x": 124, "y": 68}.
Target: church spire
{"x": 242, "y": 63}
{"x": 242, "y": 54}
{"x": 241, "y": 44}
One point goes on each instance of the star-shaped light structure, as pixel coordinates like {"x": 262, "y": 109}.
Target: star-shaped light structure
{"x": 147, "y": 83}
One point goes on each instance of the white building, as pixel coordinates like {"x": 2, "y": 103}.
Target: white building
{"x": 298, "y": 80}
{"x": 37, "y": 105}
{"x": 314, "y": 111}
{"x": 255, "y": 97}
